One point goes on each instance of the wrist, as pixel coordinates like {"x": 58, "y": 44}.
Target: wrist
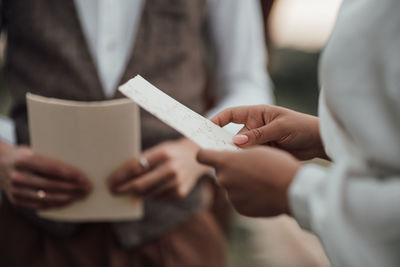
{"x": 316, "y": 145}
{"x": 320, "y": 145}
{"x": 294, "y": 169}
{"x": 5, "y": 148}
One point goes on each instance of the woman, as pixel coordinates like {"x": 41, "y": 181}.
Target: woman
{"x": 353, "y": 205}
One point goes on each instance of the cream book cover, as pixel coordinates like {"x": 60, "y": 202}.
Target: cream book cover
{"x": 96, "y": 137}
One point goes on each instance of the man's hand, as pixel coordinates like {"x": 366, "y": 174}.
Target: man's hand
{"x": 256, "y": 179}
{"x": 295, "y": 132}
{"x": 171, "y": 173}
{"x": 35, "y": 182}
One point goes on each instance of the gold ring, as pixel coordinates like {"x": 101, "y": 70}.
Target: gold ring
{"x": 144, "y": 163}
{"x": 41, "y": 194}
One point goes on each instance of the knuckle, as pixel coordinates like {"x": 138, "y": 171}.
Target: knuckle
{"x": 130, "y": 169}
{"x": 166, "y": 149}
{"x": 139, "y": 188}
{"x": 20, "y": 160}
{"x": 165, "y": 153}
{"x": 175, "y": 181}
{"x": 279, "y": 124}
{"x": 65, "y": 172}
{"x": 224, "y": 181}
{"x": 172, "y": 169}
{"x": 175, "y": 194}
{"x": 25, "y": 151}
{"x": 131, "y": 164}
{"x": 15, "y": 178}
{"x": 25, "y": 157}
{"x": 257, "y": 133}
{"x": 180, "y": 193}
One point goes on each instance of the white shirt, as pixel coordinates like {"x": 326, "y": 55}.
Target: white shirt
{"x": 237, "y": 31}
{"x": 7, "y": 131}
{"x": 354, "y": 205}
{"x": 236, "y": 28}
{"x": 110, "y": 29}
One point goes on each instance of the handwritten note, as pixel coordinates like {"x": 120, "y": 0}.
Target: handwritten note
{"x": 189, "y": 123}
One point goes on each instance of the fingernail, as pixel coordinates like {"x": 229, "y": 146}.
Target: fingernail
{"x": 240, "y": 139}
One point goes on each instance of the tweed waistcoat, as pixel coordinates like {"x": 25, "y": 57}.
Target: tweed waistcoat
{"x": 47, "y": 54}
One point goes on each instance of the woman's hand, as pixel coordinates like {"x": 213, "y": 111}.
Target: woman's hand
{"x": 172, "y": 172}
{"x": 256, "y": 179}
{"x": 295, "y": 132}
{"x": 35, "y": 182}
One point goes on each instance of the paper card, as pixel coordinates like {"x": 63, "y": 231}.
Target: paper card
{"x": 189, "y": 123}
{"x": 96, "y": 137}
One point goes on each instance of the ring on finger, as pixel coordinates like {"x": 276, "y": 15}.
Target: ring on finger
{"x": 144, "y": 163}
{"x": 41, "y": 194}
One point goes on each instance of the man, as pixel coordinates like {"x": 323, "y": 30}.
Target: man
{"x": 82, "y": 50}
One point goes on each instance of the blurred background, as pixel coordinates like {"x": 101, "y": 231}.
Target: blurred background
{"x": 296, "y": 32}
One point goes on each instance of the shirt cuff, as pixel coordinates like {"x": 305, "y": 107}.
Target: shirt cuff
{"x": 307, "y": 180}
{"x": 7, "y": 131}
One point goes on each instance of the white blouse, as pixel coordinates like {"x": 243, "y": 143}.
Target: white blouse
{"x": 354, "y": 205}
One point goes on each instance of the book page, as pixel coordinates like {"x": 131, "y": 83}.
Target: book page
{"x": 189, "y": 123}
{"x": 95, "y": 137}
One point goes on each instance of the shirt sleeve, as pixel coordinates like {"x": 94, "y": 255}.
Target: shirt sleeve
{"x": 7, "y": 132}
{"x": 237, "y": 32}
{"x": 352, "y": 213}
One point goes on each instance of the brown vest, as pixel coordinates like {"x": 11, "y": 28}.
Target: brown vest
{"x": 47, "y": 55}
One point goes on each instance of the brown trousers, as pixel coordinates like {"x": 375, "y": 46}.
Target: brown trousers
{"x": 198, "y": 242}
